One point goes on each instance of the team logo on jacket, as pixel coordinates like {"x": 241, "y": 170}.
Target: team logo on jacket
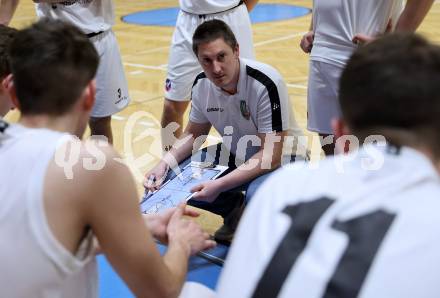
{"x": 167, "y": 85}
{"x": 244, "y": 110}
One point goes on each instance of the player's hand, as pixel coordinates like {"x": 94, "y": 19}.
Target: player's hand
{"x": 155, "y": 177}
{"x": 187, "y": 233}
{"x": 158, "y": 223}
{"x": 207, "y": 191}
{"x": 361, "y": 39}
{"x": 306, "y": 43}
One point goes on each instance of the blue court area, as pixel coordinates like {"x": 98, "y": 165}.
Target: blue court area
{"x": 201, "y": 270}
{"x": 260, "y": 14}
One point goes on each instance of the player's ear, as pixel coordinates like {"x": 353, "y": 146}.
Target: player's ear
{"x": 89, "y": 95}
{"x": 237, "y": 50}
{"x": 8, "y": 86}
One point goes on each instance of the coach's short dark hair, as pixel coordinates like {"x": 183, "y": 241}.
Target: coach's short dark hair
{"x": 6, "y": 36}
{"x": 212, "y": 30}
{"x": 52, "y": 62}
{"x": 394, "y": 82}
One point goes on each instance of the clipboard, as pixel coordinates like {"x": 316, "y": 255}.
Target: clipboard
{"x": 177, "y": 190}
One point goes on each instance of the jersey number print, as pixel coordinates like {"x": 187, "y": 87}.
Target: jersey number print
{"x": 365, "y": 235}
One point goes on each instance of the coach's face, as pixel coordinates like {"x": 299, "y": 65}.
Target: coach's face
{"x": 220, "y": 64}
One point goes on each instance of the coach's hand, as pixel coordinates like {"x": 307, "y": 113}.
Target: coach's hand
{"x": 154, "y": 178}
{"x": 207, "y": 191}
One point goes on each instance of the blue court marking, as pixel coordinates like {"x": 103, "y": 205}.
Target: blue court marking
{"x": 199, "y": 270}
{"x": 260, "y": 14}
{"x": 110, "y": 284}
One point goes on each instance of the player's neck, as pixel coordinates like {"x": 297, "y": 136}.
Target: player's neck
{"x": 66, "y": 123}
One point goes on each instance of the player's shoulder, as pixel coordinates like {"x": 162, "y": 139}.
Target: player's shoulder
{"x": 298, "y": 180}
{"x": 87, "y": 175}
{"x": 78, "y": 162}
{"x": 301, "y": 170}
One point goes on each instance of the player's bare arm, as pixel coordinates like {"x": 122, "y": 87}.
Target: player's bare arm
{"x": 413, "y": 14}
{"x": 250, "y": 4}
{"x": 8, "y": 8}
{"x": 409, "y": 20}
{"x": 106, "y": 202}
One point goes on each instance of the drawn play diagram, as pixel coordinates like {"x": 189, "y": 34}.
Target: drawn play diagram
{"x": 179, "y": 188}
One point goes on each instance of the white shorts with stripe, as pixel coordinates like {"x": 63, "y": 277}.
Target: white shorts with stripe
{"x": 111, "y": 84}
{"x": 183, "y": 66}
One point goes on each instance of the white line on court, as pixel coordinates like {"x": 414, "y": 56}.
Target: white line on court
{"x": 145, "y": 66}
{"x": 164, "y": 66}
{"x": 136, "y": 72}
{"x": 144, "y": 123}
{"x": 117, "y": 117}
{"x": 279, "y": 39}
{"x": 146, "y": 52}
{"x": 301, "y": 78}
{"x": 255, "y": 44}
{"x": 147, "y": 123}
{"x": 297, "y": 86}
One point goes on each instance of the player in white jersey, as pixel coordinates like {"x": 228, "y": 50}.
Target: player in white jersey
{"x": 6, "y": 36}
{"x": 336, "y": 28}
{"x": 50, "y": 210}
{"x": 362, "y": 224}
{"x": 248, "y": 104}
{"x": 183, "y": 66}
{"x": 95, "y": 18}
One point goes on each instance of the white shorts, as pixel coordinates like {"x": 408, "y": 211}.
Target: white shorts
{"x": 111, "y": 84}
{"x": 322, "y": 96}
{"x": 183, "y": 66}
